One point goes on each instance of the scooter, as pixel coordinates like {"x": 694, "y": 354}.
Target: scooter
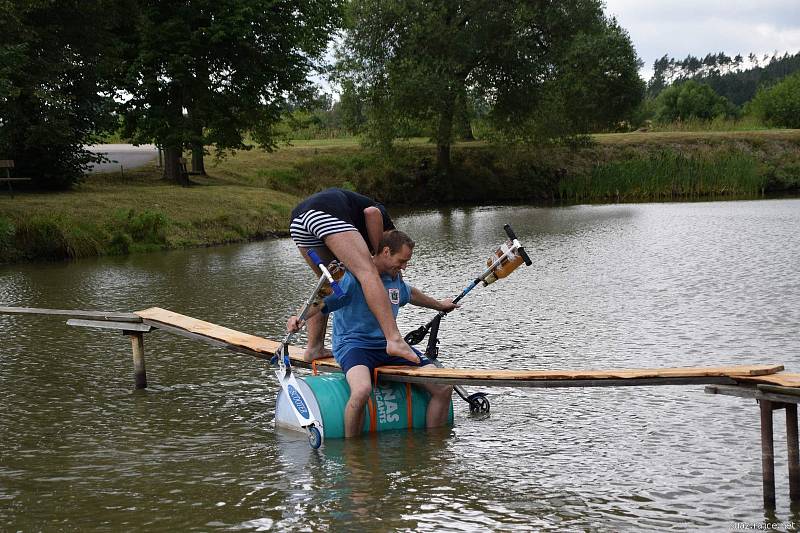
{"x": 505, "y": 260}
{"x": 284, "y": 373}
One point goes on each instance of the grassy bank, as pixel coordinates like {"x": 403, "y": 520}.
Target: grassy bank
{"x": 250, "y": 195}
{"x": 614, "y": 167}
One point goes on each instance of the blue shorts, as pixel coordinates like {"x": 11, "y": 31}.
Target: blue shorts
{"x": 372, "y": 358}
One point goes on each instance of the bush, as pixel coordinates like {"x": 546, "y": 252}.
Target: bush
{"x": 692, "y": 100}
{"x": 7, "y": 232}
{"x": 145, "y": 228}
{"x": 779, "y": 105}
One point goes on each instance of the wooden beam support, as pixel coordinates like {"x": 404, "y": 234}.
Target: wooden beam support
{"x": 793, "y": 451}
{"x": 767, "y": 454}
{"x": 746, "y": 391}
{"x": 89, "y": 315}
{"x": 139, "y": 372}
{"x": 103, "y": 324}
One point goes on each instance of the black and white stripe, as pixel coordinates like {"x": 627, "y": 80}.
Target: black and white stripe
{"x": 310, "y": 229}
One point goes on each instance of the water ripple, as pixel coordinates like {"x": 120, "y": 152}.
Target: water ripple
{"x": 611, "y": 287}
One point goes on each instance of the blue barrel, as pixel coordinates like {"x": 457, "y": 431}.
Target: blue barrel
{"x": 391, "y": 405}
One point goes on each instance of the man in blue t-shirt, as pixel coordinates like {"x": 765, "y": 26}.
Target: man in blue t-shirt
{"x": 358, "y": 342}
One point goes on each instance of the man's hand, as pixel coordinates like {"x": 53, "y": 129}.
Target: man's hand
{"x": 447, "y": 305}
{"x": 294, "y": 324}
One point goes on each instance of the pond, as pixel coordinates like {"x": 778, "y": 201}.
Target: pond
{"x": 615, "y": 286}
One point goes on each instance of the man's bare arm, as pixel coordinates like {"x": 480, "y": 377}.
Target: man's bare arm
{"x": 294, "y": 324}
{"x": 374, "y": 222}
{"x": 423, "y": 300}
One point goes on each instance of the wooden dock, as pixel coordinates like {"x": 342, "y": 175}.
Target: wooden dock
{"x": 772, "y": 388}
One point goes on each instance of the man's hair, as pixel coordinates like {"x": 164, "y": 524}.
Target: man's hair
{"x": 394, "y": 239}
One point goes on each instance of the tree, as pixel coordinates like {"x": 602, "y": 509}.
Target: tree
{"x": 351, "y": 107}
{"x": 779, "y": 105}
{"x": 597, "y": 85}
{"x": 54, "y": 95}
{"x": 208, "y": 72}
{"x": 417, "y": 60}
{"x": 690, "y": 99}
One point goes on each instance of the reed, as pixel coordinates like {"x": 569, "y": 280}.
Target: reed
{"x": 667, "y": 175}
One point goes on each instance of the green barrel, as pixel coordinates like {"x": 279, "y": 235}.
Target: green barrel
{"x": 389, "y": 401}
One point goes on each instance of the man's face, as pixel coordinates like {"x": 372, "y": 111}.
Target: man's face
{"x": 393, "y": 264}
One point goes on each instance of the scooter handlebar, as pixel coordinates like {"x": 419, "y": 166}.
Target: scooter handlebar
{"x": 521, "y": 251}
{"x": 337, "y": 290}
{"x": 314, "y": 257}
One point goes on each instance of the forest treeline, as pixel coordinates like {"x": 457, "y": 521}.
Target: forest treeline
{"x": 736, "y": 78}
{"x": 712, "y": 92}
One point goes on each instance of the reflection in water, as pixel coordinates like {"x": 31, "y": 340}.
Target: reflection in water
{"x": 611, "y": 286}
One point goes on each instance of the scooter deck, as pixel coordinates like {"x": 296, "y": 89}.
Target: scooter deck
{"x": 265, "y": 348}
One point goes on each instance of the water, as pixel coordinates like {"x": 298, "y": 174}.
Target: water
{"x": 611, "y": 286}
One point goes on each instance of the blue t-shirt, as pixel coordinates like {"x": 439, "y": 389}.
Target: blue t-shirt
{"x": 354, "y": 325}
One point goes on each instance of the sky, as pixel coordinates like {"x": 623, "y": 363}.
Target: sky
{"x": 679, "y": 28}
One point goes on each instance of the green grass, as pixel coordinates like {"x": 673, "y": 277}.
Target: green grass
{"x": 719, "y": 124}
{"x": 696, "y": 137}
{"x": 107, "y": 215}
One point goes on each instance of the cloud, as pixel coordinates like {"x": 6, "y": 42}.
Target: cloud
{"x": 678, "y": 28}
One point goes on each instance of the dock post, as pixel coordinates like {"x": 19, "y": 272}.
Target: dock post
{"x": 139, "y": 372}
{"x": 767, "y": 454}
{"x": 794, "y": 451}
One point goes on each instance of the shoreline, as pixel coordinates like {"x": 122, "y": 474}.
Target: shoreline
{"x": 248, "y": 196}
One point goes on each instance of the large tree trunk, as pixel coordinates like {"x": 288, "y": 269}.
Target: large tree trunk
{"x": 174, "y": 169}
{"x": 444, "y": 136}
{"x": 198, "y": 166}
{"x": 443, "y": 159}
{"x": 462, "y": 125}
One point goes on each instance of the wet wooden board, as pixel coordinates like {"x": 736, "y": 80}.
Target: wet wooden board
{"x": 71, "y": 313}
{"x": 784, "y": 379}
{"x": 262, "y": 347}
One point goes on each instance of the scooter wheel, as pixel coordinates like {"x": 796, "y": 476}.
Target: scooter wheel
{"x": 479, "y": 403}
{"x": 314, "y": 437}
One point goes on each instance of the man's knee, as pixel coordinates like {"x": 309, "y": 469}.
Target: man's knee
{"x": 442, "y": 391}
{"x": 359, "y": 393}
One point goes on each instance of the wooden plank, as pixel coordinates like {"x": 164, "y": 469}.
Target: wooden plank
{"x": 236, "y": 340}
{"x": 6, "y": 163}
{"x": 655, "y": 374}
{"x": 208, "y": 340}
{"x": 784, "y": 379}
{"x": 259, "y": 345}
{"x": 562, "y": 383}
{"x": 124, "y": 326}
{"x": 74, "y": 313}
{"x": 729, "y": 371}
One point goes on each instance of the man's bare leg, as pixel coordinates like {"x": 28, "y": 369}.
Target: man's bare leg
{"x": 438, "y": 405}
{"x": 360, "y": 383}
{"x": 316, "y": 325}
{"x": 351, "y": 250}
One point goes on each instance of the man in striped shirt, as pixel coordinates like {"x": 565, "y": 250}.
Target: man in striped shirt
{"x": 347, "y": 226}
